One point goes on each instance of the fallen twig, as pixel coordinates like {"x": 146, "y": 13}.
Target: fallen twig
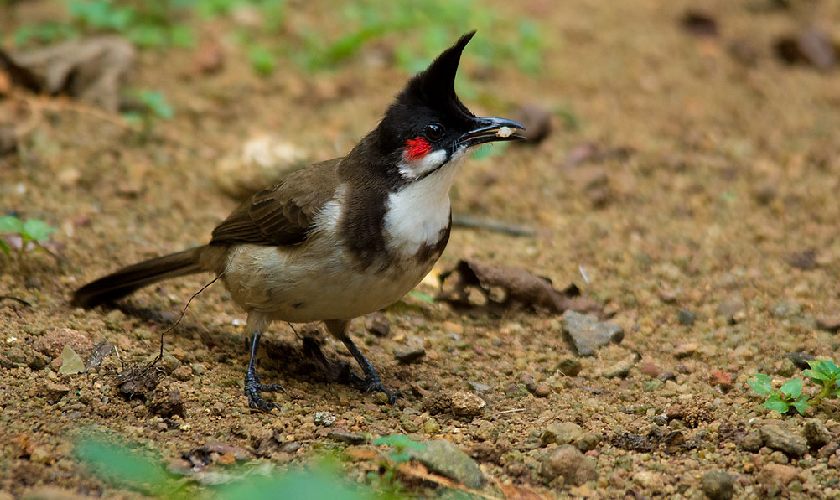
{"x": 468, "y": 221}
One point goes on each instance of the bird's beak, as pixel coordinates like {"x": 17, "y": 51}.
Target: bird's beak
{"x": 492, "y": 129}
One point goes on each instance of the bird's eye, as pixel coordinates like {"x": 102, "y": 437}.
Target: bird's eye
{"x": 433, "y": 131}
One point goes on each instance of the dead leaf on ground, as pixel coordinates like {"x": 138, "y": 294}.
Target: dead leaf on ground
{"x": 91, "y": 70}
{"x": 509, "y": 287}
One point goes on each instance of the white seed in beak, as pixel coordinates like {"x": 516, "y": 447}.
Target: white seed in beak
{"x": 504, "y": 132}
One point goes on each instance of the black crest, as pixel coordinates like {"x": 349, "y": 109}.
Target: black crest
{"x": 437, "y": 82}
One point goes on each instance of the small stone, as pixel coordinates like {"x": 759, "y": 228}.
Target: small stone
{"x": 718, "y": 485}
{"x": 816, "y": 433}
{"x": 686, "y": 317}
{"x": 805, "y": 260}
{"x": 71, "y": 362}
{"x": 100, "y": 352}
{"x": 722, "y": 379}
{"x": 569, "y": 367}
{"x": 378, "y": 324}
{"x": 478, "y": 386}
{"x": 732, "y": 308}
{"x": 167, "y": 403}
{"x": 587, "y": 441}
{"x": 448, "y": 460}
{"x": 348, "y": 437}
{"x": 541, "y": 390}
{"x": 199, "y": 369}
{"x": 324, "y": 419}
{"x": 466, "y": 404}
{"x": 52, "y": 343}
{"x": 800, "y": 359}
{"x": 650, "y": 368}
{"x": 561, "y": 433}
{"x": 54, "y": 392}
{"x": 785, "y": 309}
{"x": 621, "y": 368}
{"x": 775, "y": 477}
{"x": 784, "y": 439}
{"x": 431, "y": 426}
{"x": 751, "y": 441}
{"x": 183, "y": 373}
{"x": 587, "y": 333}
{"x": 685, "y": 350}
{"x": 569, "y": 463}
{"x": 409, "y": 354}
{"x": 829, "y": 323}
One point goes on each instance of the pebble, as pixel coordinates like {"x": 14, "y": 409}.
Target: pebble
{"x": 183, "y": 373}
{"x": 587, "y": 441}
{"x": 52, "y": 343}
{"x": 829, "y": 323}
{"x": 478, "y": 386}
{"x": 199, "y": 369}
{"x": 466, "y": 404}
{"x": 540, "y": 390}
{"x": 751, "y": 441}
{"x": 774, "y": 477}
{"x": 783, "y": 438}
{"x": 800, "y": 359}
{"x": 569, "y": 463}
{"x": 167, "y": 403}
{"x": 561, "y": 433}
{"x": 621, "y": 368}
{"x": 71, "y": 362}
{"x": 718, "y": 485}
{"x": 448, "y": 460}
{"x": 409, "y": 354}
{"x": 378, "y": 324}
{"x": 686, "y": 317}
{"x": 348, "y": 437}
{"x": 816, "y": 433}
{"x": 785, "y": 309}
{"x": 732, "y": 308}
{"x": 685, "y": 350}
{"x": 54, "y": 392}
{"x": 650, "y": 368}
{"x": 570, "y": 367}
{"x": 587, "y": 333}
{"x": 324, "y": 418}
{"x": 722, "y": 379}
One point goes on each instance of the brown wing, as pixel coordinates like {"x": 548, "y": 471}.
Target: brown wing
{"x": 283, "y": 214}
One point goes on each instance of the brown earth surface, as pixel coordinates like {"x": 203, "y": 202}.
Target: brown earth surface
{"x": 702, "y": 181}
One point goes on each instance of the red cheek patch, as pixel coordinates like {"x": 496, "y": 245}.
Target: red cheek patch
{"x": 417, "y": 148}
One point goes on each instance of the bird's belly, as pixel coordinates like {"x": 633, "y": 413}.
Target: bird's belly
{"x": 315, "y": 282}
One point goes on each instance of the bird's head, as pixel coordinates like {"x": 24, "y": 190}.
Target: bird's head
{"x": 427, "y": 127}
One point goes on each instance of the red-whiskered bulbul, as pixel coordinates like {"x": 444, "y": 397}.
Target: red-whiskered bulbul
{"x": 341, "y": 238}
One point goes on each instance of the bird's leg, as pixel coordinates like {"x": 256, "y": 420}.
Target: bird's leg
{"x": 253, "y": 387}
{"x": 371, "y": 382}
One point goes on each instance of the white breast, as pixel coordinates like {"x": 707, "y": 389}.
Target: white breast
{"x": 416, "y": 214}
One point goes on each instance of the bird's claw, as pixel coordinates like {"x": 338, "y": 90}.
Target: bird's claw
{"x": 253, "y": 388}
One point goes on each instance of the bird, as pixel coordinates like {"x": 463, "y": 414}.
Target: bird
{"x": 341, "y": 238}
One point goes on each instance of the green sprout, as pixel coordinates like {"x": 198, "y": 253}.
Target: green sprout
{"x": 153, "y": 106}
{"x": 34, "y": 231}
{"x": 824, "y": 374}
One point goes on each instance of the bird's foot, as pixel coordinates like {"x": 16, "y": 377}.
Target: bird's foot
{"x": 373, "y": 384}
{"x": 253, "y": 388}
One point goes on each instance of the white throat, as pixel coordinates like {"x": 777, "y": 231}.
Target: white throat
{"x": 416, "y": 214}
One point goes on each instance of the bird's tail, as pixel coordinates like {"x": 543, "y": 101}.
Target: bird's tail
{"x": 128, "y": 279}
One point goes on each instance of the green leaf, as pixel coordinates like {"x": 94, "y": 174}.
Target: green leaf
{"x": 422, "y": 296}
{"x": 123, "y": 466}
{"x": 37, "y": 230}
{"x": 399, "y": 442}
{"x": 262, "y": 60}
{"x": 4, "y": 247}
{"x": 815, "y": 375}
{"x": 318, "y": 484}
{"x": 801, "y": 405}
{"x": 761, "y": 384}
{"x": 792, "y": 388}
{"x": 9, "y": 224}
{"x": 777, "y": 405}
{"x": 156, "y": 103}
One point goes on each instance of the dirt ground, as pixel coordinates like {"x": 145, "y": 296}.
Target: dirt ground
{"x": 698, "y": 196}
